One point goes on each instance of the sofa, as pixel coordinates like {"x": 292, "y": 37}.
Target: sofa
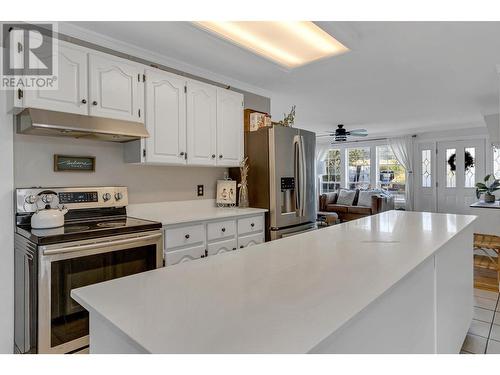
{"x": 379, "y": 202}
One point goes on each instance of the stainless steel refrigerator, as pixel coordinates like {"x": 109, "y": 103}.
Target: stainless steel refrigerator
{"x": 281, "y": 178}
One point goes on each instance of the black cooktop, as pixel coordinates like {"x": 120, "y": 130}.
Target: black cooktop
{"x": 81, "y": 230}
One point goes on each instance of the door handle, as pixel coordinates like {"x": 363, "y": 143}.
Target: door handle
{"x": 296, "y": 174}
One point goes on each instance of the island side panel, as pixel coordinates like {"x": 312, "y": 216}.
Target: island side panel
{"x": 105, "y": 338}
{"x": 454, "y": 291}
{"x": 399, "y": 321}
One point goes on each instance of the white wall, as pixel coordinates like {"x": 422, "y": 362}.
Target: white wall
{"x": 6, "y": 230}
{"x": 33, "y": 163}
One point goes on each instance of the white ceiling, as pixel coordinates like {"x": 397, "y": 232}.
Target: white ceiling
{"x": 399, "y": 76}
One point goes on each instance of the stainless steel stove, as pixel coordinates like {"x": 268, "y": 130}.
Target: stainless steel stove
{"x": 98, "y": 242}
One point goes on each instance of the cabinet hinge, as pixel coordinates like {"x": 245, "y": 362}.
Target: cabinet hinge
{"x": 144, "y": 152}
{"x": 143, "y": 78}
{"x": 20, "y": 94}
{"x": 185, "y": 89}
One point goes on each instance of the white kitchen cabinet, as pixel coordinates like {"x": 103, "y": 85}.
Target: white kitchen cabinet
{"x": 165, "y": 117}
{"x": 184, "y": 242}
{"x": 116, "y": 88}
{"x": 184, "y": 255}
{"x": 221, "y": 247}
{"x": 72, "y": 92}
{"x": 252, "y": 240}
{"x": 201, "y": 123}
{"x": 229, "y": 128}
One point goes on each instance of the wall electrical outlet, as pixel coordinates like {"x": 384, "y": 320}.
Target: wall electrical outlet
{"x": 200, "y": 190}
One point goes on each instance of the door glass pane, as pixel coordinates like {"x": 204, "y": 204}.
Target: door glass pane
{"x": 496, "y": 161}
{"x": 358, "y": 167}
{"x": 331, "y": 180}
{"x": 69, "y": 320}
{"x": 470, "y": 167}
{"x": 451, "y": 168}
{"x": 426, "y": 168}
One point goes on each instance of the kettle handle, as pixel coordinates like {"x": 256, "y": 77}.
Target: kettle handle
{"x": 47, "y": 192}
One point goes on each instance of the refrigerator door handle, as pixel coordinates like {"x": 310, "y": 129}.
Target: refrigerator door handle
{"x": 296, "y": 172}
{"x": 302, "y": 176}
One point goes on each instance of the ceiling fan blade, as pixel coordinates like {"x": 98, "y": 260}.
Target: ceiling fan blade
{"x": 353, "y": 134}
{"x": 358, "y": 131}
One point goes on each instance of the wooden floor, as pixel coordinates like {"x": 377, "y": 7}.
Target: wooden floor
{"x": 485, "y": 274}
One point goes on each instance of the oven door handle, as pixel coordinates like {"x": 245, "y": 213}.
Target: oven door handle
{"x": 97, "y": 245}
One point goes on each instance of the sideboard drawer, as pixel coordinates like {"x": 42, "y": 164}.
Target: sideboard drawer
{"x": 251, "y": 224}
{"x": 183, "y": 236}
{"x": 222, "y": 247}
{"x": 221, "y": 229}
{"x": 184, "y": 255}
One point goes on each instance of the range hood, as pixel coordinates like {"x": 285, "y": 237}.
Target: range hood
{"x": 51, "y": 123}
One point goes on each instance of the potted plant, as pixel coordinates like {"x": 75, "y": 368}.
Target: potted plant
{"x": 487, "y": 189}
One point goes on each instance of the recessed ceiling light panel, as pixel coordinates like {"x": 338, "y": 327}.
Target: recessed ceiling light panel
{"x": 289, "y": 43}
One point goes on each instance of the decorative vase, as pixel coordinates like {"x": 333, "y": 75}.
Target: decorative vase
{"x": 243, "y": 197}
{"x": 489, "y": 198}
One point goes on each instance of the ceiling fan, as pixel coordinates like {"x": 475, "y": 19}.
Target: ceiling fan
{"x": 341, "y": 134}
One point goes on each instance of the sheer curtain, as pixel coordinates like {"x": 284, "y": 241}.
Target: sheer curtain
{"x": 322, "y": 148}
{"x": 402, "y": 147}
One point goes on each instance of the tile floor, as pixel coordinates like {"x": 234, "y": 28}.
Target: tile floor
{"x": 484, "y": 331}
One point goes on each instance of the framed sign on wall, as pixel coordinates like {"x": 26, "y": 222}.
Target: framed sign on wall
{"x": 65, "y": 163}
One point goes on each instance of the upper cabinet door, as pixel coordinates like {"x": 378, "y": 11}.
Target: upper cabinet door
{"x": 71, "y": 95}
{"x": 201, "y": 123}
{"x": 116, "y": 88}
{"x": 165, "y": 117}
{"x": 229, "y": 128}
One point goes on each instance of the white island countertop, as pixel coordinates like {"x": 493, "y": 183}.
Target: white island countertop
{"x": 178, "y": 212}
{"x": 284, "y": 296}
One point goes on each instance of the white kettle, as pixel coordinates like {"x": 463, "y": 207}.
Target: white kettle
{"x": 48, "y": 218}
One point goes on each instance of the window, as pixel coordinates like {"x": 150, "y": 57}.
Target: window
{"x": 358, "y": 167}
{"x": 496, "y": 161}
{"x": 426, "y": 169}
{"x": 331, "y": 180}
{"x": 451, "y": 178}
{"x": 470, "y": 169}
{"x": 391, "y": 174}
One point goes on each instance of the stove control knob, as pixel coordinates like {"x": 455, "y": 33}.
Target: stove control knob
{"x": 118, "y": 196}
{"x": 30, "y": 199}
{"x": 106, "y": 197}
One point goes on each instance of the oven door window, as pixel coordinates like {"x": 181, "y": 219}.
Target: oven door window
{"x": 69, "y": 320}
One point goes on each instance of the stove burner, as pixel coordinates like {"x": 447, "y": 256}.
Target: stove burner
{"x": 111, "y": 224}
{"x": 76, "y": 228}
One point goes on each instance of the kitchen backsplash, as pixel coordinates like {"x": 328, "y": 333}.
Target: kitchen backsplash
{"x": 33, "y": 166}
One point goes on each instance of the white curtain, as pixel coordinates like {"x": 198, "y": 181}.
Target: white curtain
{"x": 322, "y": 148}
{"x": 402, "y": 147}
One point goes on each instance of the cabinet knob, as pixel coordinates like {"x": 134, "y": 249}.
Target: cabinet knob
{"x": 186, "y": 236}
{"x": 234, "y": 248}
{"x": 182, "y": 153}
{"x": 252, "y": 225}
{"x": 220, "y": 156}
{"x": 94, "y": 103}
{"x": 213, "y": 156}
{"x": 241, "y": 246}
{"x": 84, "y": 101}
{"x": 223, "y": 229}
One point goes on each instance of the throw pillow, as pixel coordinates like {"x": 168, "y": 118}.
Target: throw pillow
{"x": 346, "y": 197}
{"x": 365, "y": 197}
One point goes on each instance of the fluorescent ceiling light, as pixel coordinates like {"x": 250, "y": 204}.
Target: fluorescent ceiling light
{"x": 289, "y": 43}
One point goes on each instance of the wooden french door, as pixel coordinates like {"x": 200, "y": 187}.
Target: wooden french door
{"x": 460, "y": 164}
